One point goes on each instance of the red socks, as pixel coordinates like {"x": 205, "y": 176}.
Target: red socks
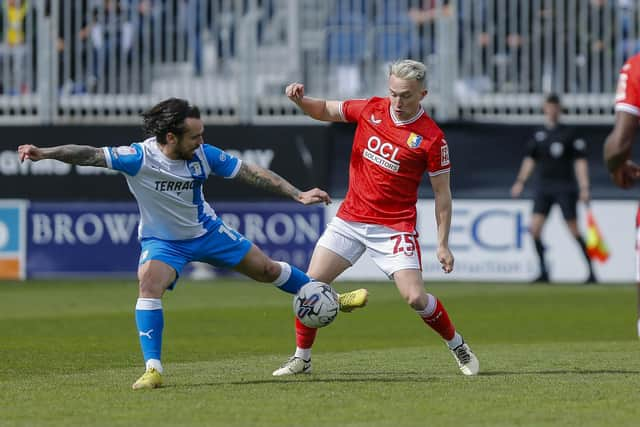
{"x": 305, "y": 336}
{"x": 439, "y": 321}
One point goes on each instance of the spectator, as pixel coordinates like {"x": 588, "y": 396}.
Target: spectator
{"x": 346, "y": 46}
{"x": 71, "y": 46}
{"x": 111, "y": 35}
{"x": 561, "y": 158}
{"x": 16, "y": 49}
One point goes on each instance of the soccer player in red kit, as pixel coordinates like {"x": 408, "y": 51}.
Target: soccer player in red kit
{"x": 617, "y": 148}
{"x": 394, "y": 145}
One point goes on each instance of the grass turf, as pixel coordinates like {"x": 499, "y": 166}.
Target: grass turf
{"x": 550, "y": 355}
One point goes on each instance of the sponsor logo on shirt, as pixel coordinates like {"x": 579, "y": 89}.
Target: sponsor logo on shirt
{"x": 444, "y": 155}
{"x": 556, "y": 149}
{"x": 125, "y": 151}
{"x": 414, "y": 140}
{"x": 177, "y": 186}
{"x": 383, "y": 154}
{"x": 373, "y": 120}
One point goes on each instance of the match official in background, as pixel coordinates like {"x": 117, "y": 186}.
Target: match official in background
{"x": 617, "y": 148}
{"x": 562, "y": 178}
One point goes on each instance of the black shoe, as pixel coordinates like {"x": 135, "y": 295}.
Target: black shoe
{"x": 542, "y": 278}
{"x": 591, "y": 279}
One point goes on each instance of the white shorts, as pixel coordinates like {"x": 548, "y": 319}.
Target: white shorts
{"x": 390, "y": 249}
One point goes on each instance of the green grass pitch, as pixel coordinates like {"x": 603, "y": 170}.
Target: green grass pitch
{"x": 558, "y": 355}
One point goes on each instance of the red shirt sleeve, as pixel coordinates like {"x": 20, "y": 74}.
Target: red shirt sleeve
{"x": 352, "y": 108}
{"x": 438, "y": 156}
{"x": 628, "y": 90}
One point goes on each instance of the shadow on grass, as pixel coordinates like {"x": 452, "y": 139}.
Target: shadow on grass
{"x": 379, "y": 377}
{"x": 563, "y": 372}
{"x": 394, "y": 377}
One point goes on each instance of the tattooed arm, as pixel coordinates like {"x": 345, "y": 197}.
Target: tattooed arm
{"x": 269, "y": 180}
{"x": 83, "y": 155}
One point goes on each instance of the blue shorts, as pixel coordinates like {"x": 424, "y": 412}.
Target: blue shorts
{"x": 220, "y": 247}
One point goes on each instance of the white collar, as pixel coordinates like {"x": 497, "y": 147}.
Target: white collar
{"x": 399, "y": 122}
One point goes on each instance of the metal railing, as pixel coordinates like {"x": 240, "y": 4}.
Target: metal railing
{"x": 104, "y": 61}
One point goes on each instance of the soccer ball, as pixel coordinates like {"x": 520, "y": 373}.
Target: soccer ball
{"x": 316, "y": 304}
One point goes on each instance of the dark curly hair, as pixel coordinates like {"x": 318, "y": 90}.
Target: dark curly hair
{"x": 168, "y": 116}
{"x": 552, "y": 98}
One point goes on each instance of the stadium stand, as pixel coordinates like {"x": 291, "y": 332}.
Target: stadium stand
{"x": 88, "y": 61}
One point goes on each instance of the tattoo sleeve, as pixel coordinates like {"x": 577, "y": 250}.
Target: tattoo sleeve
{"x": 83, "y": 155}
{"x": 266, "y": 179}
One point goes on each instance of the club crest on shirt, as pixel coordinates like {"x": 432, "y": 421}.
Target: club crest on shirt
{"x": 414, "y": 140}
{"x": 195, "y": 169}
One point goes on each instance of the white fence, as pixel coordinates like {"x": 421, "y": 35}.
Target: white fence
{"x": 101, "y": 61}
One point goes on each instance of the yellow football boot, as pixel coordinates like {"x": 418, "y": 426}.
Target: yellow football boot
{"x": 150, "y": 379}
{"x": 352, "y": 300}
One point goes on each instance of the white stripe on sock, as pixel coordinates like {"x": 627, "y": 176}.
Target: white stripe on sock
{"x": 303, "y": 353}
{"x": 149, "y": 304}
{"x": 155, "y": 364}
{"x": 285, "y": 273}
{"x": 429, "y": 309}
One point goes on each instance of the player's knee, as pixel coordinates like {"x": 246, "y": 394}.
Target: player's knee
{"x": 417, "y": 301}
{"x": 268, "y": 272}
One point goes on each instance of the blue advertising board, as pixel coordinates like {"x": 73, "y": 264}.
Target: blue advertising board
{"x": 89, "y": 239}
{"x": 66, "y": 239}
{"x": 12, "y": 232}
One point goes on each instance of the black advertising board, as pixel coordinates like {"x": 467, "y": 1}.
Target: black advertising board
{"x": 298, "y": 153}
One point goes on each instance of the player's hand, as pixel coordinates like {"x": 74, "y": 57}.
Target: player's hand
{"x": 315, "y": 195}
{"x": 446, "y": 259}
{"x": 30, "y": 152}
{"x": 295, "y": 92}
{"x": 516, "y": 189}
{"x": 585, "y": 195}
{"x": 626, "y": 174}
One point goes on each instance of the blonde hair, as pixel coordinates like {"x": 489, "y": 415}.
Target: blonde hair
{"x": 408, "y": 69}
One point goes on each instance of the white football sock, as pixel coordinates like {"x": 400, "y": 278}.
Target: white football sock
{"x": 303, "y": 353}
{"x": 155, "y": 364}
{"x": 455, "y": 341}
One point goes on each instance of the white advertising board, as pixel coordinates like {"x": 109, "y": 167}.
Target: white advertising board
{"x": 490, "y": 242}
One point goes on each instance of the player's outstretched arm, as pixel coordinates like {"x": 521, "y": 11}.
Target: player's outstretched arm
{"x": 83, "y": 155}
{"x": 267, "y": 179}
{"x": 442, "y": 196}
{"x": 319, "y": 109}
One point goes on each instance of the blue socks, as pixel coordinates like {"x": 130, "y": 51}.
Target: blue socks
{"x": 150, "y": 322}
{"x": 291, "y": 279}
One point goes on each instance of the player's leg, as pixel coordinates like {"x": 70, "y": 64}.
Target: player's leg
{"x": 337, "y": 249}
{"x": 259, "y": 267}
{"x": 160, "y": 265}
{"x": 568, "y": 203}
{"x": 541, "y": 206}
{"x": 225, "y": 247}
{"x": 434, "y": 315}
{"x": 325, "y": 266}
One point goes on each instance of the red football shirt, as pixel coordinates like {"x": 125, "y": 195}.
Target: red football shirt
{"x": 388, "y": 159}
{"x": 628, "y": 90}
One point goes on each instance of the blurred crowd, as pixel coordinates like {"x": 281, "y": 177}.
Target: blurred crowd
{"x": 108, "y": 46}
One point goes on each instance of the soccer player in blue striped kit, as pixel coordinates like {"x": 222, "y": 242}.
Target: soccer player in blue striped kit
{"x": 165, "y": 173}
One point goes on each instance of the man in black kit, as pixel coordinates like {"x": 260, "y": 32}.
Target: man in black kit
{"x": 562, "y": 178}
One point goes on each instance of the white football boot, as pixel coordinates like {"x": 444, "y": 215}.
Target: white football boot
{"x": 467, "y": 361}
{"x": 293, "y": 366}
